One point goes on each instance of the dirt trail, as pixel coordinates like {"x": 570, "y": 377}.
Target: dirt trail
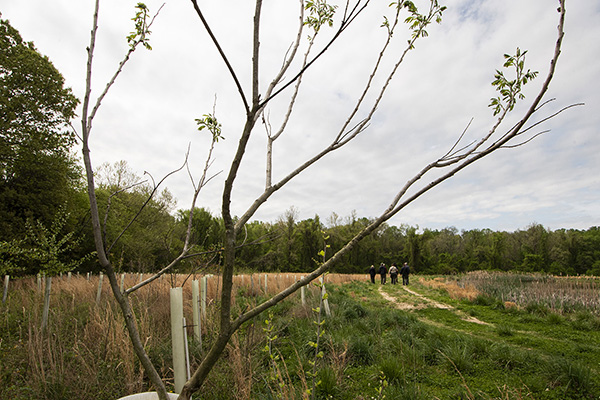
{"x": 425, "y": 302}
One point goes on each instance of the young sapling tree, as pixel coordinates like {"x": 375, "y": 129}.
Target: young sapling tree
{"x": 314, "y": 15}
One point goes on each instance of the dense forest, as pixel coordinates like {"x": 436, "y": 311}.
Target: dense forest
{"x": 45, "y": 219}
{"x": 144, "y": 241}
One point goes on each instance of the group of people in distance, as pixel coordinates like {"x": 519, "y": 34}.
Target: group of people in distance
{"x": 383, "y": 271}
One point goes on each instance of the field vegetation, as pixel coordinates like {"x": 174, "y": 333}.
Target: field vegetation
{"x": 467, "y": 338}
{"x": 557, "y": 294}
{"x": 442, "y": 339}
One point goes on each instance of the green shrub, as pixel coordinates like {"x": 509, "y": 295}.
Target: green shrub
{"x": 361, "y": 351}
{"x": 353, "y": 311}
{"x": 457, "y": 354}
{"x": 508, "y": 357}
{"x": 574, "y": 376}
{"x": 479, "y": 347}
{"x": 586, "y": 321}
{"x": 582, "y": 323}
{"x": 504, "y": 330}
{"x": 406, "y": 391}
{"x": 328, "y": 386}
{"x": 483, "y": 300}
{"x": 537, "y": 309}
{"x": 555, "y": 319}
{"x": 393, "y": 368}
{"x": 413, "y": 357}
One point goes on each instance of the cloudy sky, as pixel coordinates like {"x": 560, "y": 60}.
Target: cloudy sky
{"x": 148, "y": 117}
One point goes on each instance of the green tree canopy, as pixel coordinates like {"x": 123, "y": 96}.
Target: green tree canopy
{"x": 138, "y": 226}
{"x": 38, "y": 172}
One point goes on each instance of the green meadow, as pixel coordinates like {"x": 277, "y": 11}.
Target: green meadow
{"x": 441, "y": 339}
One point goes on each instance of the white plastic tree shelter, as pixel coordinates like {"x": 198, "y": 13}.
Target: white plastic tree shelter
{"x": 266, "y": 280}
{"x": 178, "y": 338}
{"x": 325, "y": 301}
{"x": 196, "y": 317}
{"x": 46, "y": 302}
{"x": 6, "y": 280}
{"x": 303, "y": 293}
{"x": 99, "y": 293}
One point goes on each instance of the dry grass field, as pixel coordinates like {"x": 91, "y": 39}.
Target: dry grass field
{"x": 474, "y": 348}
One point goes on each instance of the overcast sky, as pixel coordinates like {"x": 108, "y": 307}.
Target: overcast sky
{"x": 148, "y": 117}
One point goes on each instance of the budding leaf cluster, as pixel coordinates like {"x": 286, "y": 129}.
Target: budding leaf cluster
{"x": 320, "y": 12}
{"x": 511, "y": 89}
{"x": 418, "y": 22}
{"x": 141, "y": 31}
{"x": 210, "y": 122}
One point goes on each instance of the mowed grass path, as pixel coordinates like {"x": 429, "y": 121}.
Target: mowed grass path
{"x": 575, "y": 337}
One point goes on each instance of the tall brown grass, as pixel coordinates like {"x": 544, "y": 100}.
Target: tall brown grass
{"x": 85, "y": 352}
{"x": 451, "y": 286}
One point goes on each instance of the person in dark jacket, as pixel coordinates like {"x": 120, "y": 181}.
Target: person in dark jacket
{"x": 372, "y": 272}
{"x": 405, "y": 271}
{"x": 383, "y": 273}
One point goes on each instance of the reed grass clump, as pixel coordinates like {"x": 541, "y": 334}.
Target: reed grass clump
{"x": 505, "y": 330}
{"x": 557, "y": 294}
{"x": 393, "y": 368}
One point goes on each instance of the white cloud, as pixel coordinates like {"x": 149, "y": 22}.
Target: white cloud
{"x": 148, "y": 117}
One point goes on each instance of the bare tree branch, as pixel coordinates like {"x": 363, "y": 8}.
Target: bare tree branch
{"x": 222, "y": 53}
{"x": 143, "y": 206}
{"x": 122, "y": 300}
{"x": 344, "y": 136}
{"x": 346, "y": 21}
{"x": 132, "y": 48}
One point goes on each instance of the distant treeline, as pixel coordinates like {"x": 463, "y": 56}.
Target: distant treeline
{"x": 288, "y": 244}
{"x": 57, "y": 239}
{"x": 294, "y": 246}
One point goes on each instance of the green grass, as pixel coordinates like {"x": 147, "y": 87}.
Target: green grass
{"x": 369, "y": 348}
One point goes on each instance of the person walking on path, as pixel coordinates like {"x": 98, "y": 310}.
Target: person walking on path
{"x": 394, "y": 274}
{"x": 372, "y": 272}
{"x": 405, "y": 271}
{"x": 383, "y": 273}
